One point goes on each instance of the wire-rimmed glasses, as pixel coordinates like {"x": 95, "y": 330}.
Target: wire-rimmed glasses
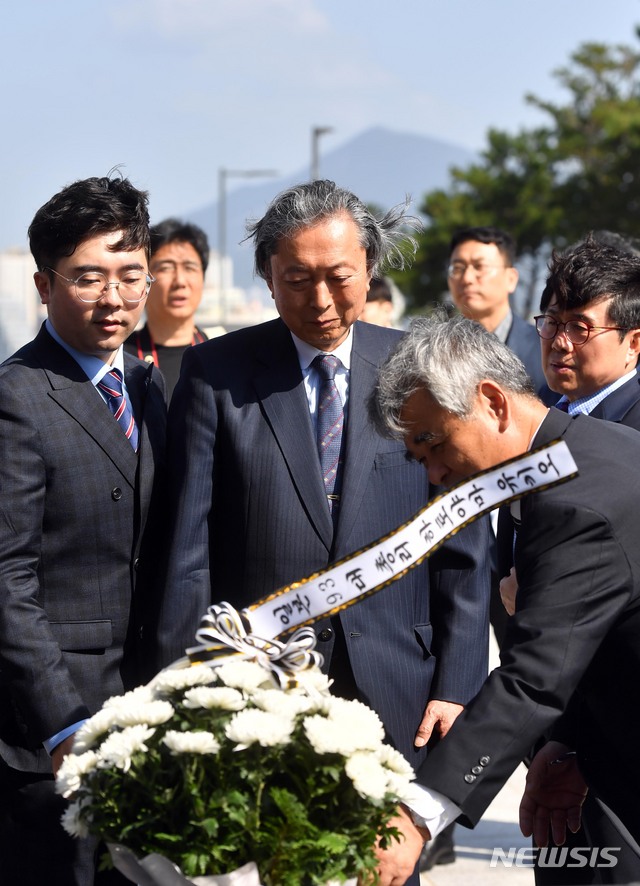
{"x": 91, "y": 286}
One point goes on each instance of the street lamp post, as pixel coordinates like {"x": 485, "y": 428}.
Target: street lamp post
{"x": 223, "y": 175}
{"x": 316, "y": 134}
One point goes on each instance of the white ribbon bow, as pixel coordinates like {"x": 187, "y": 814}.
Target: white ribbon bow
{"x": 224, "y": 633}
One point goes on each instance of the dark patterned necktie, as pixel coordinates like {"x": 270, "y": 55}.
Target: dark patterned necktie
{"x": 563, "y": 406}
{"x": 111, "y": 385}
{"x": 330, "y": 424}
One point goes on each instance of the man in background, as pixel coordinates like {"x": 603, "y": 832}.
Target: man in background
{"x": 482, "y": 278}
{"x": 179, "y": 259}
{"x": 82, "y": 429}
{"x": 277, "y": 472}
{"x": 378, "y": 307}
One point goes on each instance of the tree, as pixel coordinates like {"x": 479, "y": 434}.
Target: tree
{"x": 550, "y": 185}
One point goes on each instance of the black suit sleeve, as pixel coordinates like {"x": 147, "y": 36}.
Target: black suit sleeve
{"x": 574, "y": 580}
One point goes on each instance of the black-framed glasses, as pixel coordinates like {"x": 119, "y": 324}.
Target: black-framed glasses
{"x": 91, "y": 286}
{"x": 577, "y": 331}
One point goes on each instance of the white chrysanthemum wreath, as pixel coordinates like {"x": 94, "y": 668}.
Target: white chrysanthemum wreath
{"x": 216, "y": 765}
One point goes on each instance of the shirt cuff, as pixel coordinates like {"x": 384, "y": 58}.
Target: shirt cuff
{"x": 431, "y": 810}
{"x": 50, "y": 744}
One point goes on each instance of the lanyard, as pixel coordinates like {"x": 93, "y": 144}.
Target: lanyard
{"x": 197, "y": 339}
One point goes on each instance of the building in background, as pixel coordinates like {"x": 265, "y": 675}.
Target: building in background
{"x": 20, "y": 310}
{"x": 232, "y": 308}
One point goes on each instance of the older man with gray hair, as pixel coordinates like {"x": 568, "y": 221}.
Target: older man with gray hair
{"x": 277, "y": 472}
{"x": 462, "y": 403}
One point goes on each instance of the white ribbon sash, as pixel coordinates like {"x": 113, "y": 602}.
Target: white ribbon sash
{"x": 387, "y": 559}
{"x": 252, "y": 633}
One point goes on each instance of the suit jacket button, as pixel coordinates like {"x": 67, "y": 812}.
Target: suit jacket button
{"x": 477, "y": 770}
{"x": 326, "y": 634}
{"x": 484, "y": 761}
{"x": 136, "y": 563}
{"x": 469, "y": 778}
{"x": 116, "y": 493}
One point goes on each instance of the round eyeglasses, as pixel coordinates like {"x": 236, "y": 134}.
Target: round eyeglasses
{"x": 93, "y": 285}
{"x": 577, "y": 331}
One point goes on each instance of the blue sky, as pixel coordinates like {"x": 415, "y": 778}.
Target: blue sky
{"x": 175, "y": 89}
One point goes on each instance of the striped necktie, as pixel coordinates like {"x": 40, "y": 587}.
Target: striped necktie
{"x": 111, "y": 386}
{"x": 330, "y": 425}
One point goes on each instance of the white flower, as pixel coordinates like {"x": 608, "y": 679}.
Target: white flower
{"x": 138, "y": 706}
{"x": 73, "y": 824}
{"x": 244, "y": 675}
{"x": 363, "y": 724}
{"x": 286, "y": 704}
{"x": 73, "y": 768}
{"x": 191, "y": 742}
{"x": 367, "y": 774}
{"x": 130, "y": 700}
{"x": 172, "y": 679}
{"x": 119, "y": 747}
{"x": 152, "y": 714}
{"x": 327, "y": 736}
{"x": 222, "y": 697}
{"x": 92, "y": 730}
{"x": 394, "y": 760}
{"x": 313, "y": 681}
{"x": 350, "y": 726}
{"x": 253, "y": 726}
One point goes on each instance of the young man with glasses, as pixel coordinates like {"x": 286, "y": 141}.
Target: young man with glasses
{"x": 589, "y": 331}
{"x": 82, "y": 440}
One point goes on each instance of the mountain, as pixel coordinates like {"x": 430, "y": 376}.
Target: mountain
{"x": 381, "y": 166}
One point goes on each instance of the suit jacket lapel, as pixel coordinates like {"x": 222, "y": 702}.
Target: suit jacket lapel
{"x": 278, "y": 383}
{"x": 361, "y": 443}
{"x": 617, "y": 404}
{"x": 75, "y": 393}
{"x": 554, "y": 427}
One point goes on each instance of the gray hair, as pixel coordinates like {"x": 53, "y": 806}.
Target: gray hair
{"x": 386, "y": 240}
{"x": 448, "y": 359}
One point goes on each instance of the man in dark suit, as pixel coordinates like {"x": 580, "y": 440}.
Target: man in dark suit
{"x": 253, "y": 508}
{"x": 462, "y": 403}
{"x": 589, "y": 331}
{"x": 482, "y": 278}
{"x": 82, "y": 444}
{"x": 590, "y": 339}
